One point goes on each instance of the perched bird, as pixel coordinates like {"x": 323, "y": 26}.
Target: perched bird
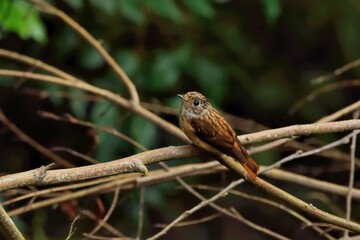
{"x": 208, "y": 130}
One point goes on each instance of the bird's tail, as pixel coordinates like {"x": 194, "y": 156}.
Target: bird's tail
{"x": 251, "y": 167}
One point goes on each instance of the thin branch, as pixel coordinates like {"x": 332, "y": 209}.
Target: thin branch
{"x": 36, "y": 64}
{"x": 229, "y": 213}
{"x": 191, "y": 222}
{"x": 351, "y": 175}
{"x": 26, "y": 138}
{"x": 141, "y": 213}
{"x": 112, "y": 131}
{"x": 348, "y": 109}
{"x": 8, "y": 227}
{"x": 337, "y": 72}
{"x": 136, "y": 163}
{"x": 75, "y": 153}
{"x": 43, "y": 6}
{"x": 106, "y": 94}
{"x": 301, "y": 154}
{"x": 271, "y": 203}
{"x": 336, "y": 115}
{"x": 109, "y": 212}
{"x": 300, "y": 130}
{"x": 308, "y": 208}
{"x": 317, "y": 92}
{"x": 106, "y": 226}
{"x": 302, "y": 180}
{"x": 72, "y": 226}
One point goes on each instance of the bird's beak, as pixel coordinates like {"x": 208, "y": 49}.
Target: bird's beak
{"x": 181, "y": 96}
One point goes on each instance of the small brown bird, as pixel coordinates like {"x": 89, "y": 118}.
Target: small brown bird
{"x": 208, "y": 130}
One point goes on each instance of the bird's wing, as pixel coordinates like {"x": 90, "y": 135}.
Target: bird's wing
{"x": 217, "y": 133}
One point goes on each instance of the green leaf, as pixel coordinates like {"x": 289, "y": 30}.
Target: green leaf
{"x": 105, "y": 114}
{"x": 67, "y": 37}
{"x": 164, "y": 72}
{"x": 129, "y": 61}
{"x": 91, "y": 58}
{"x": 6, "y": 81}
{"x": 23, "y": 19}
{"x": 349, "y": 32}
{"x": 39, "y": 220}
{"x": 54, "y": 98}
{"x": 165, "y": 8}
{"x": 182, "y": 55}
{"x": 272, "y": 10}
{"x": 78, "y": 4}
{"x": 108, "y": 6}
{"x": 232, "y": 39}
{"x": 267, "y": 157}
{"x": 143, "y": 131}
{"x": 78, "y": 106}
{"x": 201, "y": 7}
{"x": 271, "y": 94}
{"x": 132, "y": 11}
{"x": 211, "y": 78}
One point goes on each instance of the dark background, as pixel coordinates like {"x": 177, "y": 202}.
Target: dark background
{"x": 254, "y": 59}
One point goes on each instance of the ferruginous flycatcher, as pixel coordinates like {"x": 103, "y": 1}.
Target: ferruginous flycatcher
{"x": 208, "y": 130}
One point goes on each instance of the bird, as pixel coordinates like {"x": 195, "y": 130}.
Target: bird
{"x": 208, "y": 130}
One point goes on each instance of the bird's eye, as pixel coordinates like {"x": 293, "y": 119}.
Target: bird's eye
{"x": 196, "y": 103}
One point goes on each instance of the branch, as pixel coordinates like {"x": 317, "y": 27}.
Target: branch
{"x": 23, "y": 136}
{"x": 324, "y": 186}
{"x": 351, "y": 175}
{"x": 112, "y": 97}
{"x": 306, "y": 207}
{"x": 43, "y": 6}
{"x": 136, "y": 163}
{"x": 348, "y": 109}
{"x": 35, "y": 63}
{"x": 300, "y": 130}
{"x": 8, "y": 227}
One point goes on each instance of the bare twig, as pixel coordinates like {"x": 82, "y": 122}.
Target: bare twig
{"x": 337, "y": 72}
{"x": 23, "y": 136}
{"x": 302, "y": 180}
{"x": 300, "y": 130}
{"x": 106, "y": 226}
{"x": 348, "y": 109}
{"x": 75, "y": 153}
{"x": 141, "y": 213}
{"x": 136, "y": 163}
{"x": 35, "y": 63}
{"x": 8, "y": 227}
{"x": 351, "y": 176}
{"x": 327, "y": 88}
{"x": 301, "y": 154}
{"x": 72, "y": 226}
{"x": 112, "y": 97}
{"x": 271, "y": 203}
{"x": 112, "y": 131}
{"x": 236, "y": 166}
{"x": 109, "y": 212}
{"x": 43, "y": 6}
{"x": 191, "y": 222}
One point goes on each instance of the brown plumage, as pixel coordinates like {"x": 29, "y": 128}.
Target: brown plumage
{"x": 207, "y": 129}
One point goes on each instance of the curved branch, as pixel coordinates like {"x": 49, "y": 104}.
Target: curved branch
{"x": 43, "y": 6}
{"x": 300, "y": 130}
{"x": 8, "y": 227}
{"x": 103, "y": 93}
{"x": 136, "y": 163}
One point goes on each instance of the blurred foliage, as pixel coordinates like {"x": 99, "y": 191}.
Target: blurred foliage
{"x": 250, "y": 58}
{"x": 18, "y": 17}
